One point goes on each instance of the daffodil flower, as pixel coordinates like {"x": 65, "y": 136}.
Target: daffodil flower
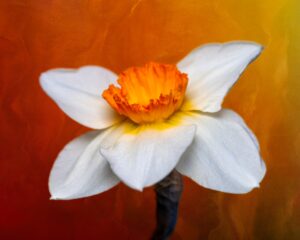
{"x": 153, "y": 119}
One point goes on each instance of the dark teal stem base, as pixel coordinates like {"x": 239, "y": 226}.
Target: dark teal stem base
{"x": 168, "y": 193}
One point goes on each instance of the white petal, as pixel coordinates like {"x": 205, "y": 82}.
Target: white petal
{"x": 142, "y": 156}
{"x": 80, "y": 170}
{"x": 224, "y": 155}
{"x": 78, "y": 93}
{"x": 212, "y": 70}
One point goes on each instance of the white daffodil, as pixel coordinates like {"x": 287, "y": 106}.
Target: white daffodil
{"x": 161, "y": 117}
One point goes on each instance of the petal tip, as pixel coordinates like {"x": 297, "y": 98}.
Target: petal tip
{"x": 59, "y": 196}
{"x": 139, "y": 189}
{"x": 257, "y": 48}
{"x": 53, "y": 198}
{"x": 254, "y": 48}
{"x": 254, "y": 185}
{"x": 43, "y": 80}
{"x": 136, "y": 186}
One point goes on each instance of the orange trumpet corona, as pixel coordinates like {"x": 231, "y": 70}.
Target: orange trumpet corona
{"x": 148, "y": 94}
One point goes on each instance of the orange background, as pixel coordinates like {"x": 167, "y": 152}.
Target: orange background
{"x": 37, "y": 35}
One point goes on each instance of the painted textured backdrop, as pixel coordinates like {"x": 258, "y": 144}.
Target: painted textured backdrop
{"x": 37, "y": 35}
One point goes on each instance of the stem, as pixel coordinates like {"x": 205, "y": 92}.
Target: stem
{"x": 168, "y": 193}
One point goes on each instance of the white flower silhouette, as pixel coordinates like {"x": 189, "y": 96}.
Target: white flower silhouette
{"x": 155, "y": 122}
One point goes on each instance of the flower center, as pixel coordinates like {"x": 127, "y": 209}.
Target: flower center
{"x": 148, "y": 94}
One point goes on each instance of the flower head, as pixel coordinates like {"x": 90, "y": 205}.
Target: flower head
{"x": 160, "y": 117}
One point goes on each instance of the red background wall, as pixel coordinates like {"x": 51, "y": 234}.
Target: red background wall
{"x": 37, "y": 35}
